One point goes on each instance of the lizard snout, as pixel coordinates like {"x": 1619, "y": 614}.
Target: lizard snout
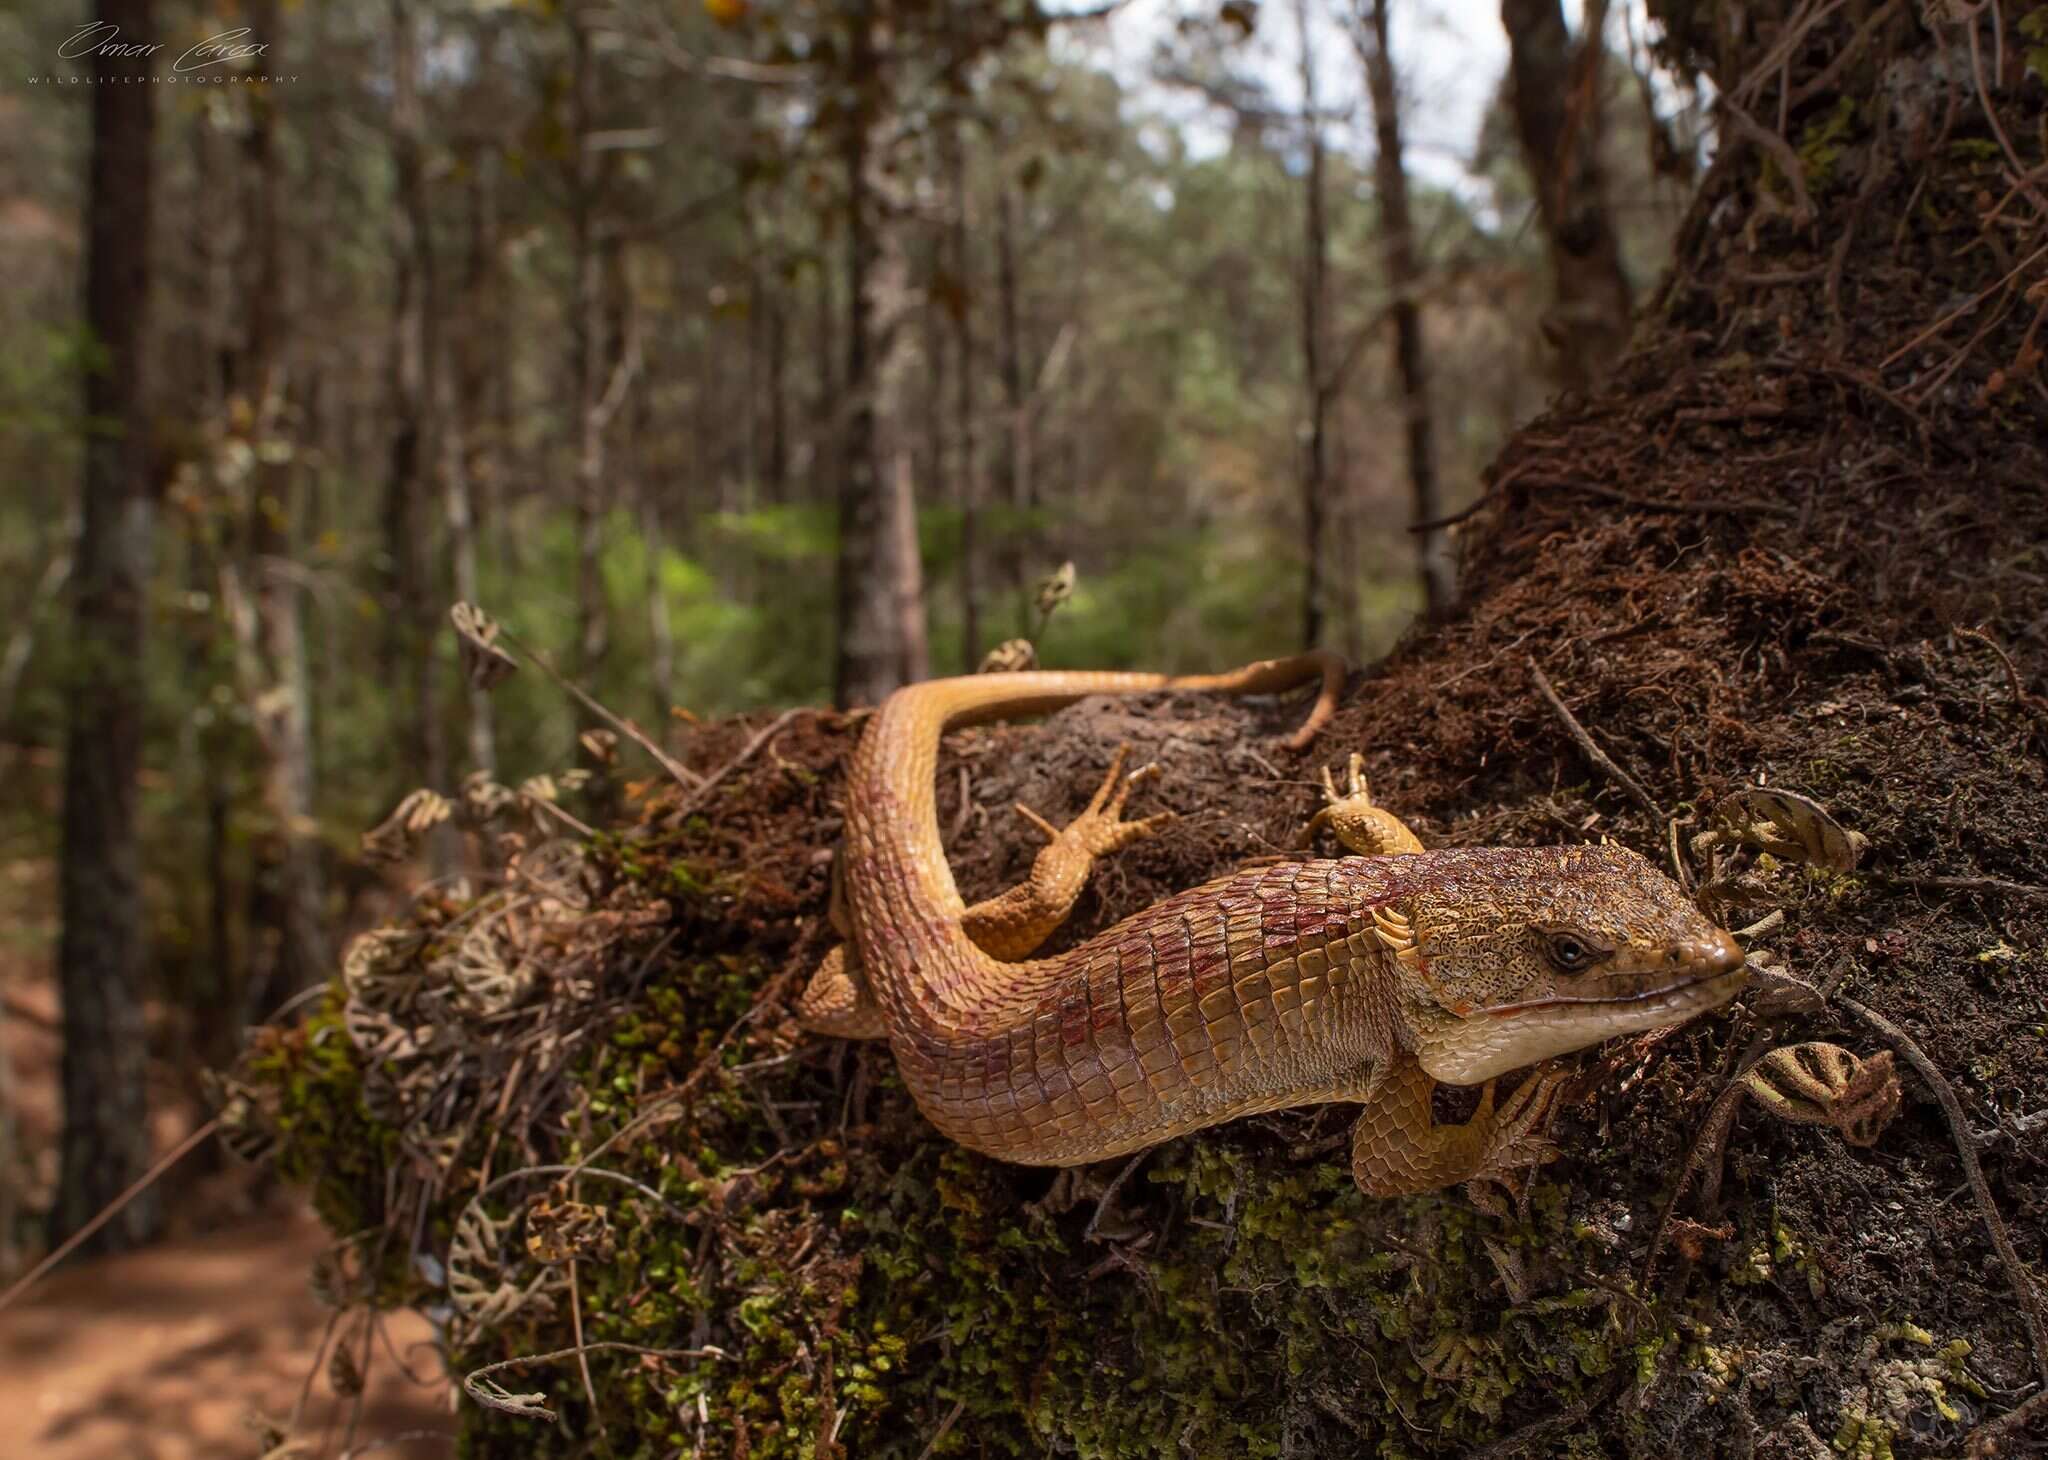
{"x": 1719, "y": 953}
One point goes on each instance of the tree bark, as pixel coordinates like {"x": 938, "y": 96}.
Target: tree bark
{"x": 775, "y": 465}
{"x": 1315, "y": 259}
{"x": 1013, "y": 469}
{"x": 103, "y": 950}
{"x": 871, "y": 648}
{"x": 1404, "y": 278}
{"x": 288, "y": 947}
{"x": 473, "y": 444}
{"x": 1556, "y": 94}
{"x": 959, "y": 307}
{"x": 586, "y": 323}
{"x": 414, "y": 612}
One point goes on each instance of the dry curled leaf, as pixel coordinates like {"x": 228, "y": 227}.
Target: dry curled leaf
{"x": 1787, "y": 824}
{"x": 1008, "y": 657}
{"x": 602, "y": 745}
{"x": 1055, "y": 588}
{"x": 484, "y": 664}
{"x": 398, "y": 833}
{"x": 1824, "y": 1084}
{"x": 561, "y": 1231}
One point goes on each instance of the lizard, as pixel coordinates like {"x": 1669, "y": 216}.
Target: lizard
{"x": 1368, "y": 978}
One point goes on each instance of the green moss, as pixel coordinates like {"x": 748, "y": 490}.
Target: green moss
{"x": 871, "y": 1284}
{"x": 1823, "y": 140}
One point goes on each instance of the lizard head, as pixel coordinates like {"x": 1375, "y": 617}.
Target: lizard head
{"x": 1508, "y": 956}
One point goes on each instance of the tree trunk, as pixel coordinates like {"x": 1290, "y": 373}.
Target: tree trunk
{"x": 906, "y": 572}
{"x": 414, "y": 611}
{"x": 1558, "y": 120}
{"x": 871, "y": 648}
{"x": 1013, "y": 470}
{"x": 775, "y": 466}
{"x": 959, "y": 307}
{"x": 473, "y": 444}
{"x": 1404, "y": 278}
{"x": 1315, "y": 259}
{"x": 288, "y": 937}
{"x": 586, "y": 325}
{"x": 103, "y": 952}
{"x": 661, "y": 666}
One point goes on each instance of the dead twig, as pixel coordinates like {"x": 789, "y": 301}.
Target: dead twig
{"x": 1739, "y": 507}
{"x": 534, "y": 1406}
{"x": 1989, "y": 1438}
{"x": 747, "y": 752}
{"x": 1966, "y": 884}
{"x": 945, "y": 1428}
{"x": 1588, "y": 746}
{"x": 682, "y": 773}
{"x": 1780, "y": 152}
{"x": 110, "y": 1211}
{"x": 1965, "y": 1139}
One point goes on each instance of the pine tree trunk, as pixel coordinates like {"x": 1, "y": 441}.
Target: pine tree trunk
{"x": 1013, "y": 470}
{"x": 103, "y": 952}
{"x": 288, "y": 936}
{"x": 414, "y": 611}
{"x": 472, "y": 455}
{"x": 1404, "y": 278}
{"x": 967, "y": 484}
{"x": 870, "y": 657}
{"x": 1556, "y": 93}
{"x": 1315, "y": 260}
{"x": 586, "y": 324}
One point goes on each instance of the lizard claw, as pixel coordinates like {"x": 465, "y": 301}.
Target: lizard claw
{"x": 1520, "y": 1128}
{"x": 1100, "y": 828}
{"x": 1364, "y": 828}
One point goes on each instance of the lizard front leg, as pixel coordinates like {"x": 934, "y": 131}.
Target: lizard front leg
{"x": 1009, "y": 926}
{"x": 1398, "y": 1149}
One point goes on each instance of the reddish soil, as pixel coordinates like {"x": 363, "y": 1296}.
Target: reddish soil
{"x": 200, "y": 1345}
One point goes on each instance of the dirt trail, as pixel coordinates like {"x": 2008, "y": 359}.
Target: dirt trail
{"x": 168, "y": 1354}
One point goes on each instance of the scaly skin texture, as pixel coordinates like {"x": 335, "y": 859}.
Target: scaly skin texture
{"x": 1366, "y": 978}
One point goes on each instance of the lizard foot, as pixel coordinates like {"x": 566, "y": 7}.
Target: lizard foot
{"x": 1518, "y": 1132}
{"x": 1012, "y": 925}
{"x": 1100, "y": 828}
{"x": 1365, "y": 828}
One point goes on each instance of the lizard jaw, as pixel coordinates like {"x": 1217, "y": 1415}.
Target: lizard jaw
{"x": 1513, "y": 1036}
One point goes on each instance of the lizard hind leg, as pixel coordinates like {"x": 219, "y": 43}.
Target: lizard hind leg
{"x": 1012, "y": 924}
{"x": 837, "y": 1002}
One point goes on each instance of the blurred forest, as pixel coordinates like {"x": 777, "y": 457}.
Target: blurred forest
{"x": 664, "y": 331}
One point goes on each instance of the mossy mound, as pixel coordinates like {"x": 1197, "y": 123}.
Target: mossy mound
{"x": 572, "y": 1100}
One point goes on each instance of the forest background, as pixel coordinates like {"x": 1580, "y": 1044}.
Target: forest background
{"x": 664, "y": 332}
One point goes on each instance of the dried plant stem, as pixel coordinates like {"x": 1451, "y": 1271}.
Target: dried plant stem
{"x": 2016, "y": 1274}
{"x": 536, "y": 1409}
{"x": 682, "y": 773}
{"x": 110, "y": 1211}
{"x": 1586, "y": 743}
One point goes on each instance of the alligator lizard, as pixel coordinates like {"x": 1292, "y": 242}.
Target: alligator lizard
{"x": 1365, "y": 978}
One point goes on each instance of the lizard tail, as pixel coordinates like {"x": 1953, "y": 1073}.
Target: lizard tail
{"x": 906, "y": 905}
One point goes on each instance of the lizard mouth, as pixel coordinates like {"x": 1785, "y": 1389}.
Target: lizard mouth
{"x": 1669, "y": 991}
{"x": 1530, "y": 1031}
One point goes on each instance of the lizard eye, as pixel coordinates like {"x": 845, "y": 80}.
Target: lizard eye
{"x": 1570, "y": 953}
